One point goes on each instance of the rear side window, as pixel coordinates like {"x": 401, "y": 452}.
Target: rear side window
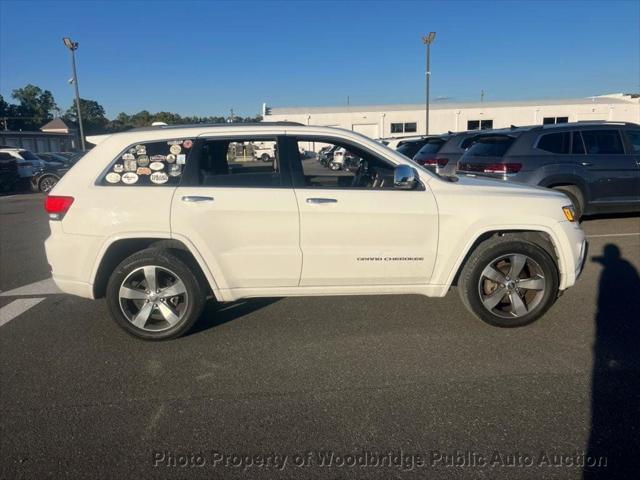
{"x": 634, "y": 138}
{"x": 490, "y": 146}
{"x": 555, "y": 142}
{"x": 602, "y": 142}
{"x": 246, "y": 162}
{"x": 151, "y": 164}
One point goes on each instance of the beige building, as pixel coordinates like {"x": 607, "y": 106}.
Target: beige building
{"x": 386, "y": 121}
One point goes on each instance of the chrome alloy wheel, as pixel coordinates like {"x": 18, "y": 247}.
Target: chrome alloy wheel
{"x": 511, "y": 285}
{"x": 153, "y": 298}
{"x": 47, "y": 184}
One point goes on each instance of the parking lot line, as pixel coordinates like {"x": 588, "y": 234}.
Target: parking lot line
{"x": 17, "y": 307}
{"x": 614, "y": 235}
{"x": 43, "y": 287}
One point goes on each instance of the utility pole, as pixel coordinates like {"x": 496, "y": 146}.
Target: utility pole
{"x": 481, "y": 96}
{"x": 73, "y": 46}
{"x": 428, "y": 40}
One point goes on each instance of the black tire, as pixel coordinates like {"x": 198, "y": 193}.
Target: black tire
{"x": 471, "y": 283}
{"x": 193, "y": 300}
{"x": 46, "y": 183}
{"x": 265, "y": 157}
{"x": 576, "y": 197}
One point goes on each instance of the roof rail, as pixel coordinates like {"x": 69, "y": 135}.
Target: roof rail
{"x": 216, "y": 125}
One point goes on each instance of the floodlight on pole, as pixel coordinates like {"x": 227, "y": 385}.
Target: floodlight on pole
{"x": 427, "y": 40}
{"x": 73, "y": 46}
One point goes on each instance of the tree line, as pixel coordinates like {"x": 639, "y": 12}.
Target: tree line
{"x": 34, "y": 107}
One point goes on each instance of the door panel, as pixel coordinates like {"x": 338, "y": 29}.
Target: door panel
{"x": 367, "y": 237}
{"x": 613, "y": 177}
{"x": 249, "y": 237}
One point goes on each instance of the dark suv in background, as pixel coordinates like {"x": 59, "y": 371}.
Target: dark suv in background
{"x": 596, "y": 164}
{"x": 441, "y": 153}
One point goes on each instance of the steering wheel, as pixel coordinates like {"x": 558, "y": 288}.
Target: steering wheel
{"x": 362, "y": 169}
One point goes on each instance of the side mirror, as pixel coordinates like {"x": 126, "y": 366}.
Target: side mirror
{"x": 405, "y": 177}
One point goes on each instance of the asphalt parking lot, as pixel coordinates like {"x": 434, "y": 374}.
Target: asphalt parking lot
{"x": 333, "y": 387}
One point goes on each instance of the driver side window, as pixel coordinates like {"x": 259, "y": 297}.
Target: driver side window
{"x": 330, "y": 164}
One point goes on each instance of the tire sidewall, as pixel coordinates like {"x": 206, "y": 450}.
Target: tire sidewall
{"x": 471, "y": 278}
{"x": 161, "y": 258}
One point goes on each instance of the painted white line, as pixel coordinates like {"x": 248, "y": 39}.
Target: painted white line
{"x": 43, "y": 287}
{"x": 17, "y": 307}
{"x": 614, "y": 235}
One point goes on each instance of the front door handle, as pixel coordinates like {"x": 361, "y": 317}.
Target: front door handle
{"x": 196, "y": 198}
{"x": 321, "y": 200}
{"x": 586, "y": 164}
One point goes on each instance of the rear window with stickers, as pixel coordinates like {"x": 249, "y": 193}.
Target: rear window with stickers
{"x": 152, "y": 163}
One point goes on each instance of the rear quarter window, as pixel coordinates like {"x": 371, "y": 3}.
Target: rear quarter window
{"x": 559, "y": 142}
{"x": 150, "y": 164}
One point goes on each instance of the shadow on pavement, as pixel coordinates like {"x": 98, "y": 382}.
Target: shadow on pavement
{"x": 615, "y": 389}
{"x": 216, "y": 314}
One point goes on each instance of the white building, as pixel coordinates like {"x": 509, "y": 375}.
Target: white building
{"x": 405, "y": 120}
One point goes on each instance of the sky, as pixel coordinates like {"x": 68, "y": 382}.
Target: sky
{"x": 204, "y": 58}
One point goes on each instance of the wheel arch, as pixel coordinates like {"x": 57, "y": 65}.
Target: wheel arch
{"x": 119, "y": 249}
{"x": 541, "y": 238}
{"x": 564, "y": 180}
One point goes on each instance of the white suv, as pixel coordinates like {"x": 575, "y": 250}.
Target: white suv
{"x": 160, "y": 219}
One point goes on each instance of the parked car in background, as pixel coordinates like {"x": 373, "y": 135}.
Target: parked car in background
{"x": 44, "y": 179}
{"x": 53, "y": 158}
{"x": 410, "y": 147}
{"x": 395, "y": 142}
{"x": 27, "y": 163}
{"x": 325, "y": 155}
{"x": 427, "y": 154}
{"x": 8, "y": 172}
{"x": 26, "y": 160}
{"x": 264, "y": 151}
{"x": 596, "y": 164}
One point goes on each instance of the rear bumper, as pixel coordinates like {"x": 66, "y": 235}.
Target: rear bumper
{"x": 72, "y": 287}
{"x": 72, "y": 258}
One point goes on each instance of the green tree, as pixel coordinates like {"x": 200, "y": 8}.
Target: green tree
{"x": 93, "y": 116}
{"x": 34, "y": 106}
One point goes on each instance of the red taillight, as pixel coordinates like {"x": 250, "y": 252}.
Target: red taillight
{"x": 57, "y": 206}
{"x": 432, "y": 162}
{"x": 502, "y": 168}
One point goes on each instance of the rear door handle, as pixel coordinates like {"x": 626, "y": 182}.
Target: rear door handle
{"x": 321, "y": 200}
{"x": 196, "y": 198}
{"x": 586, "y": 164}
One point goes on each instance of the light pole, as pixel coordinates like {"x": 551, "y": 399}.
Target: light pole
{"x": 428, "y": 40}
{"x": 73, "y": 46}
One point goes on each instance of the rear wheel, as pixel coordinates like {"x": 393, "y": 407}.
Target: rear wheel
{"x": 508, "y": 282}
{"x": 265, "y": 157}
{"x": 575, "y": 195}
{"x": 46, "y": 184}
{"x": 154, "y": 295}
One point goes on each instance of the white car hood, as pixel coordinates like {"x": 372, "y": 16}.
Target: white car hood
{"x": 502, "y": 187}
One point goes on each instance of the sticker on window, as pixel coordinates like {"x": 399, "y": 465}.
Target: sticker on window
{"x": 149, "y": 164}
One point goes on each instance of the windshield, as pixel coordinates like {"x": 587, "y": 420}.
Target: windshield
{"x": 432, "y": 146}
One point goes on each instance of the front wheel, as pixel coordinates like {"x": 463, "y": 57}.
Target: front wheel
{"x": 509, "y": 282}
{"x": 265, "y": 157}
{"x": 154, "y": 295}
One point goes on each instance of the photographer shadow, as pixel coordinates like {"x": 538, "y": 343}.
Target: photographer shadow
{"x": 615, "y": 389}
